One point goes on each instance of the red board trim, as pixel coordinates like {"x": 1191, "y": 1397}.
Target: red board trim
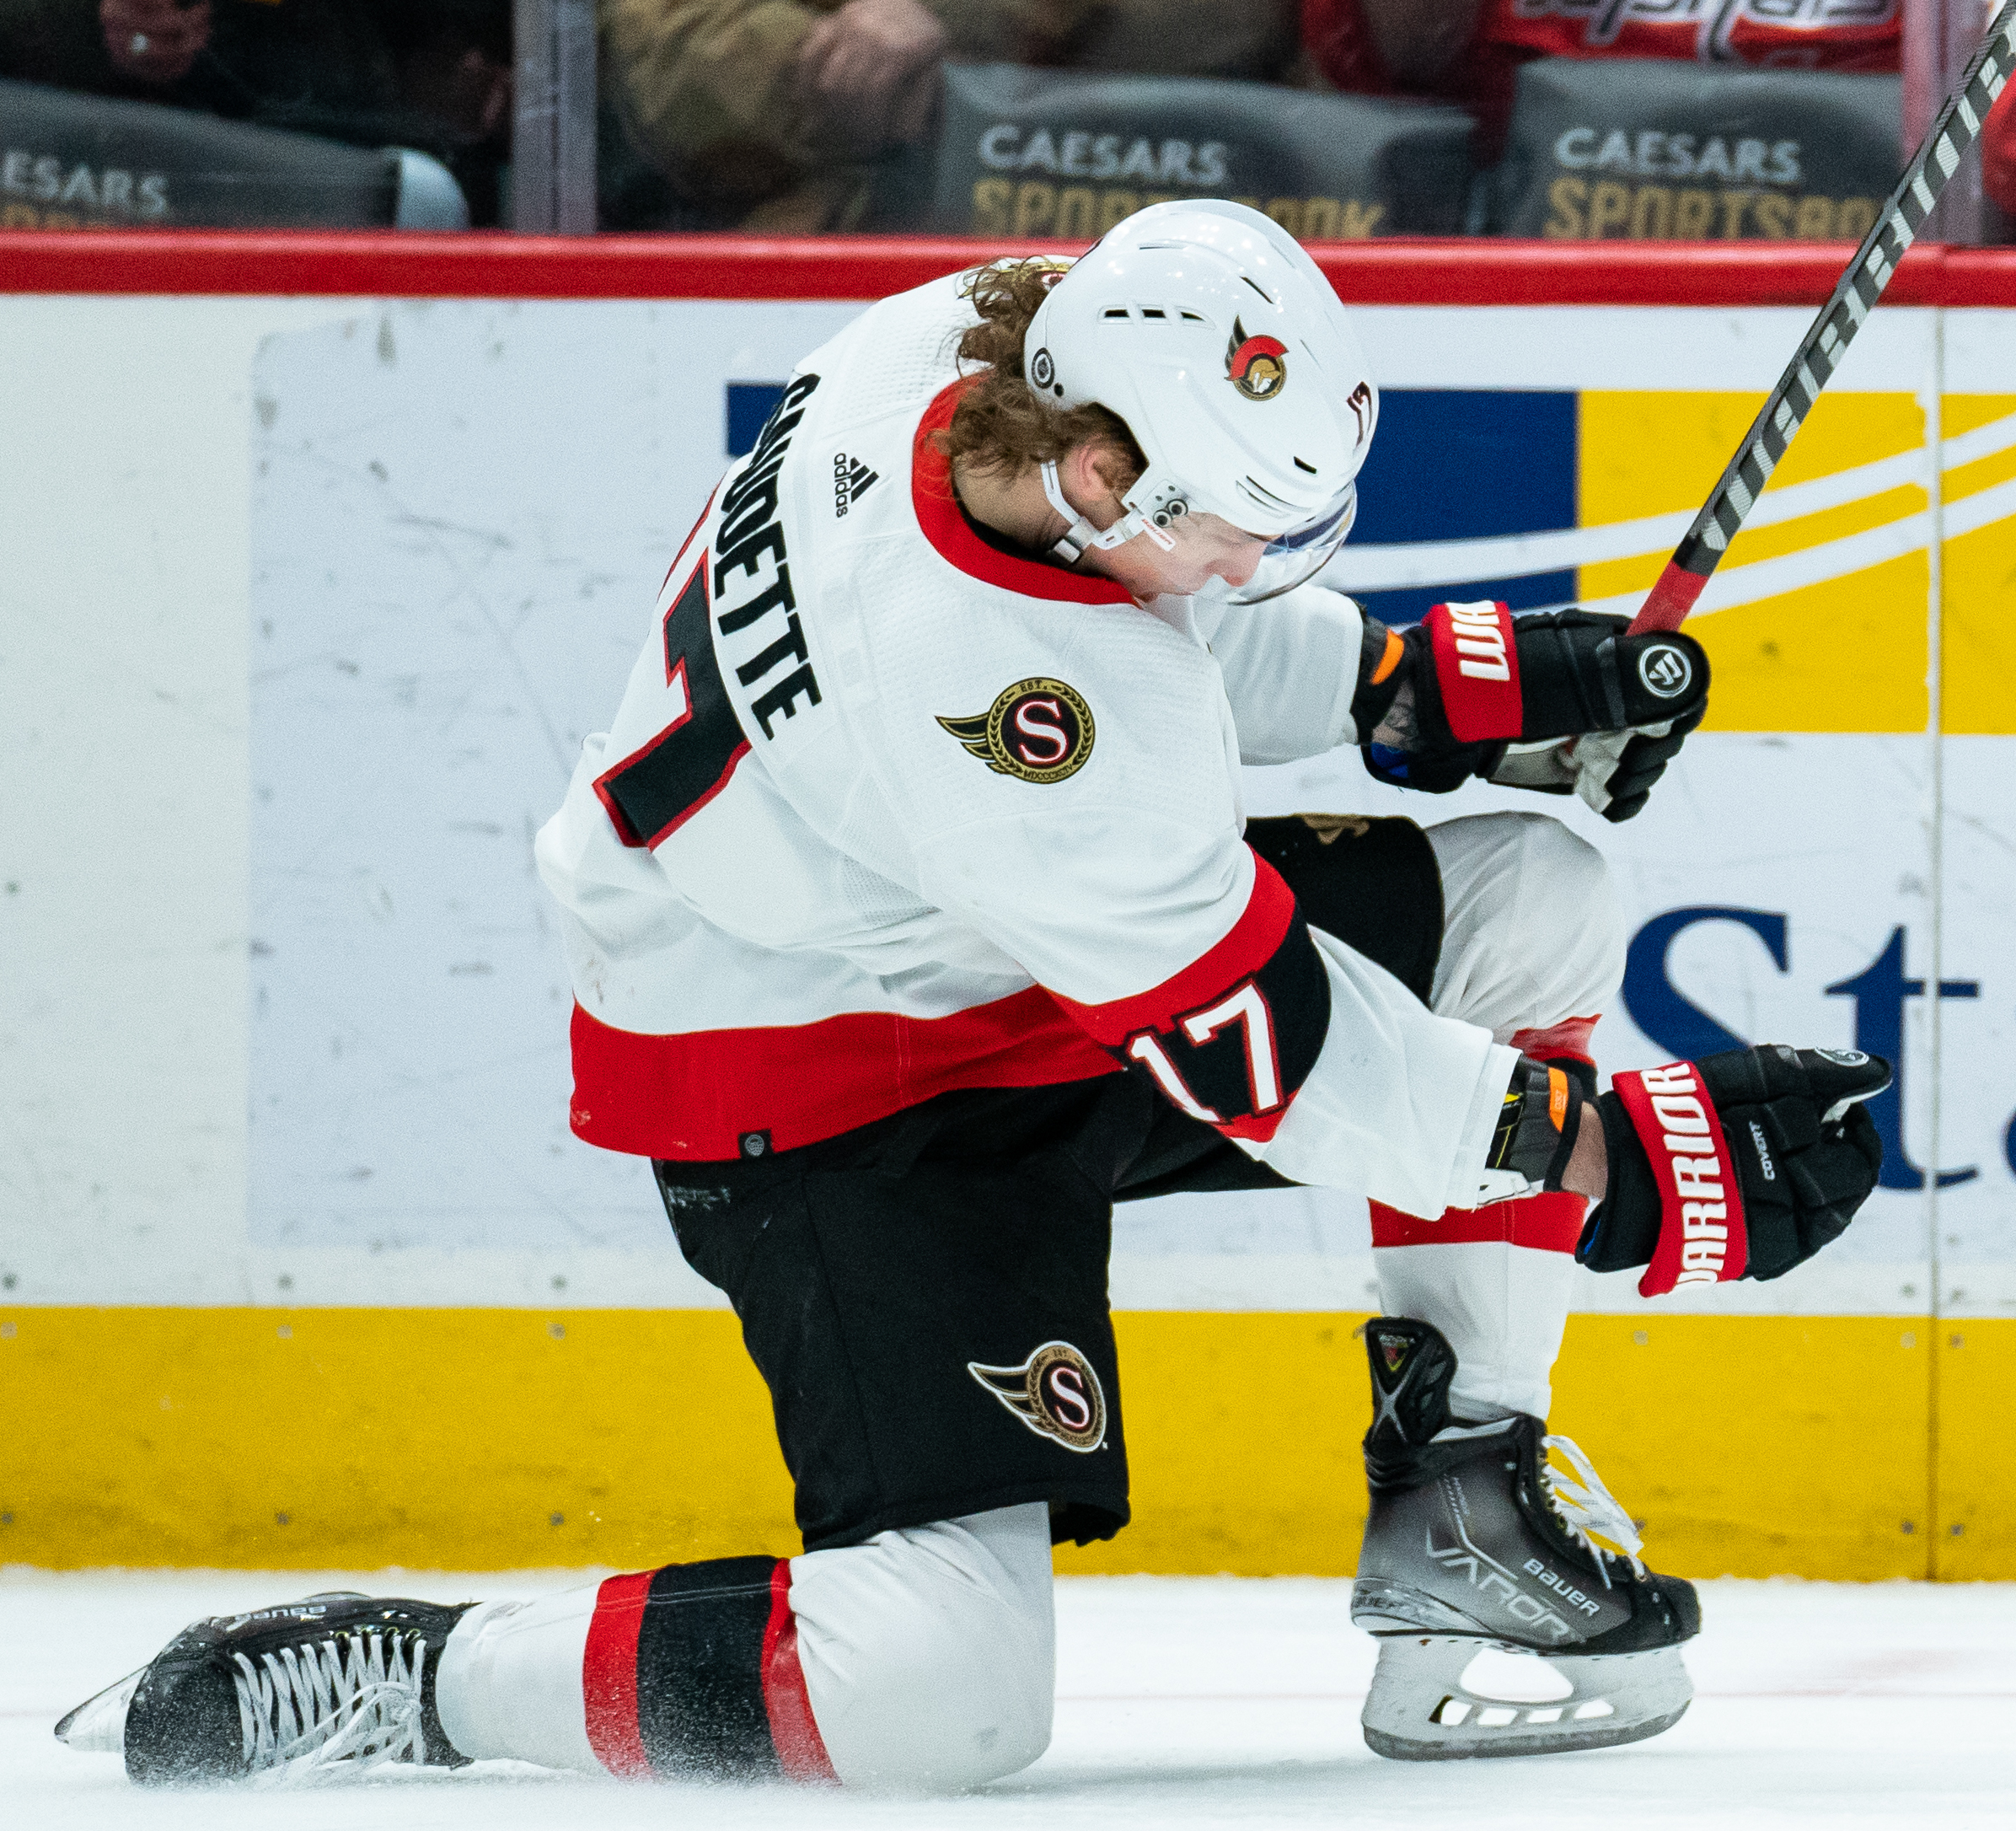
{"x": 794, "y": 1730}
{"x": 694, "y": 1096}
{"x": 608, "y": 1675}
{"x": 493, "y": 264}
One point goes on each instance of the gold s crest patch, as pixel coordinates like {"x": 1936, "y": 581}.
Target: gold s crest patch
{"x": 1037, "y": 730}
{"x": 1055, "y": 1392}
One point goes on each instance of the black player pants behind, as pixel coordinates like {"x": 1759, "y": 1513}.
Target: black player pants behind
{"x": 926, "y": 1296}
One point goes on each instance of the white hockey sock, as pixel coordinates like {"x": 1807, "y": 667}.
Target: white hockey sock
{"x": 509, "y": 1682}
{"x": 1496, "y": 1281}
{"x": 1532, "y": 934}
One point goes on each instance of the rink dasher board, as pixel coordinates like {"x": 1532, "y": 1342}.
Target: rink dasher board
{"x": 210, "y": 937}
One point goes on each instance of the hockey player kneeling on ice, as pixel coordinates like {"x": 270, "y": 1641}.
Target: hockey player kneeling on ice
{"x": 912, "y": 921}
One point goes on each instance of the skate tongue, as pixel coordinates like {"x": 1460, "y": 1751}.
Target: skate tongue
{"x": 97, "y": 1725}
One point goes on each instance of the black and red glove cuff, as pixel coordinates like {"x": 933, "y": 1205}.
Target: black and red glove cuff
{"x": 1460, "y": 668}
{"x": 1674, "y": 1205}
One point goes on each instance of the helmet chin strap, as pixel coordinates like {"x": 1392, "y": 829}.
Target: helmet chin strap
{"x": 1080, "y": 534}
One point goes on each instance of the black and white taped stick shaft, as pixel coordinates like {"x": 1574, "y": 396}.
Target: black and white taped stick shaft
{"x": 1820, "y": 352}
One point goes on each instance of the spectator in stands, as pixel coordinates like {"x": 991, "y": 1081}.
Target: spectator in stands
{"x": 154, "y": 42}
{"x": 773, "y": 114}
{"x": 453, "y": 59}
{"x": 292, "y": 63}
{"x": 431, "y": 75}
{"x": 1470, "y": 51}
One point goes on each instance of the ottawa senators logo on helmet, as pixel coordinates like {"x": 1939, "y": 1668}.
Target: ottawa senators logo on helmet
{"x": 1055, "y": 1392}
{"x": 1038, "y": 730}
{"x": 1258, "y": 366}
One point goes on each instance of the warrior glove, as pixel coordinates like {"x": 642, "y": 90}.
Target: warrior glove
{"x": 1563, "y": 702}
{"x": 1738, "y": 1166}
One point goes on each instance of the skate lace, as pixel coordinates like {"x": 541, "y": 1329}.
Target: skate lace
{"x": 304, "y": 1710}
{"x": 1587, "y": 1508}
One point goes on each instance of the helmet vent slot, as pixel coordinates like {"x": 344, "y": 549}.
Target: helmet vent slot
{"x": 1260, "y": 289}
{"x": 1309, "y": 468}
{"x": 1195, "y": 318}
{"x": 1154, "y": 311}
{"x": 1117, "y": 311}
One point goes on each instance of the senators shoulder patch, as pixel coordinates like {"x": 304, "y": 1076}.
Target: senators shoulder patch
{"x": 1038, "y": 730}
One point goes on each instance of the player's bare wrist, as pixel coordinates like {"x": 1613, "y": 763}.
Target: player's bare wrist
{"x": 1588, "y": 1171}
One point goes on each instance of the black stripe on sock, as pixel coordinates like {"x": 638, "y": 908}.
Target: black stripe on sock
{"x": 700, "y": 1670}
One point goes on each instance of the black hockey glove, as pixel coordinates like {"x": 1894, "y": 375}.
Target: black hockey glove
{"x": 1560, "y": 702}
{"x": 1738, "y": 1166}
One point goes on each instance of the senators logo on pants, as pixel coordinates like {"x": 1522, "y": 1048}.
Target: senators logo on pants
{"x": 1055, "y": 1392}
{"x": 1037, "y": 730}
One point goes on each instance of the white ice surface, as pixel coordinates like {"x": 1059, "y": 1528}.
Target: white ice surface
{"x": 1181, "y": 1703}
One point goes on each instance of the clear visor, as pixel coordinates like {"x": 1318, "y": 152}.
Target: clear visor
{"x": 1297, "y": 556}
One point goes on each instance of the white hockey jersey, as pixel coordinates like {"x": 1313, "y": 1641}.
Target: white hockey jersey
{"x": 888, "y": 810}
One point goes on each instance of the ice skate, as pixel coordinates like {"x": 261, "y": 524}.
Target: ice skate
{"x": 1475, "y": 1546}
{"x": 317, "y": 1689}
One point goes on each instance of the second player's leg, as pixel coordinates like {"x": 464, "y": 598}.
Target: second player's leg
{"x": 1473, "y": 1540}
{"x": 1533, "y": 951}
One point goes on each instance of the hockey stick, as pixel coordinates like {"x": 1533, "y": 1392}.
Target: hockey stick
{"x": 1957, "y": 127}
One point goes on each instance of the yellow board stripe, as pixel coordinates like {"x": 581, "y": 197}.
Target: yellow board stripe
{"x": 495, "y": 1439}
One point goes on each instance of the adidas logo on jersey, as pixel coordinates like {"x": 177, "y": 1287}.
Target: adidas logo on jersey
{"x": 852, "y": 479}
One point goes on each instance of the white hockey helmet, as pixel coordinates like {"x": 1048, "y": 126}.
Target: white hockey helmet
{"x": 1207, "y": 329}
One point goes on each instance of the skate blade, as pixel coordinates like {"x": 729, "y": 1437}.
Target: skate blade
{"x": 1419, "y": 1709}
{"x": 97, "y": 1725}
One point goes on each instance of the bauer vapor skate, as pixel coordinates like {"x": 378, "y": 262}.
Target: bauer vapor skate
{"x": 311, "y": 1690}
{"x": 1504, "y": 1627}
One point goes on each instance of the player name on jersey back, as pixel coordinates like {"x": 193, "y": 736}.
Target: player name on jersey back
{"x": 761, "y": 634}
{"x": 739, "y": 666}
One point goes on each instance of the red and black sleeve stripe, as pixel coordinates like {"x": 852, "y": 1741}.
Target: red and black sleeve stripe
{"x": 1232, "y": 1038}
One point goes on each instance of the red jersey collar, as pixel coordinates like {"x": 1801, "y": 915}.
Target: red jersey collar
{"x": 945, "y": 525}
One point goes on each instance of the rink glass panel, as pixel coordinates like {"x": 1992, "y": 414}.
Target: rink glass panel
{"x": 310, "y": 600}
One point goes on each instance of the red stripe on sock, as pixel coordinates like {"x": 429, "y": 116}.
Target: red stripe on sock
{"x": 1548, "y": 1223}
{"x": 801, "y": 1749}
{"x": 1569, "y": 1038}
{"x": 608, "y": 1675}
